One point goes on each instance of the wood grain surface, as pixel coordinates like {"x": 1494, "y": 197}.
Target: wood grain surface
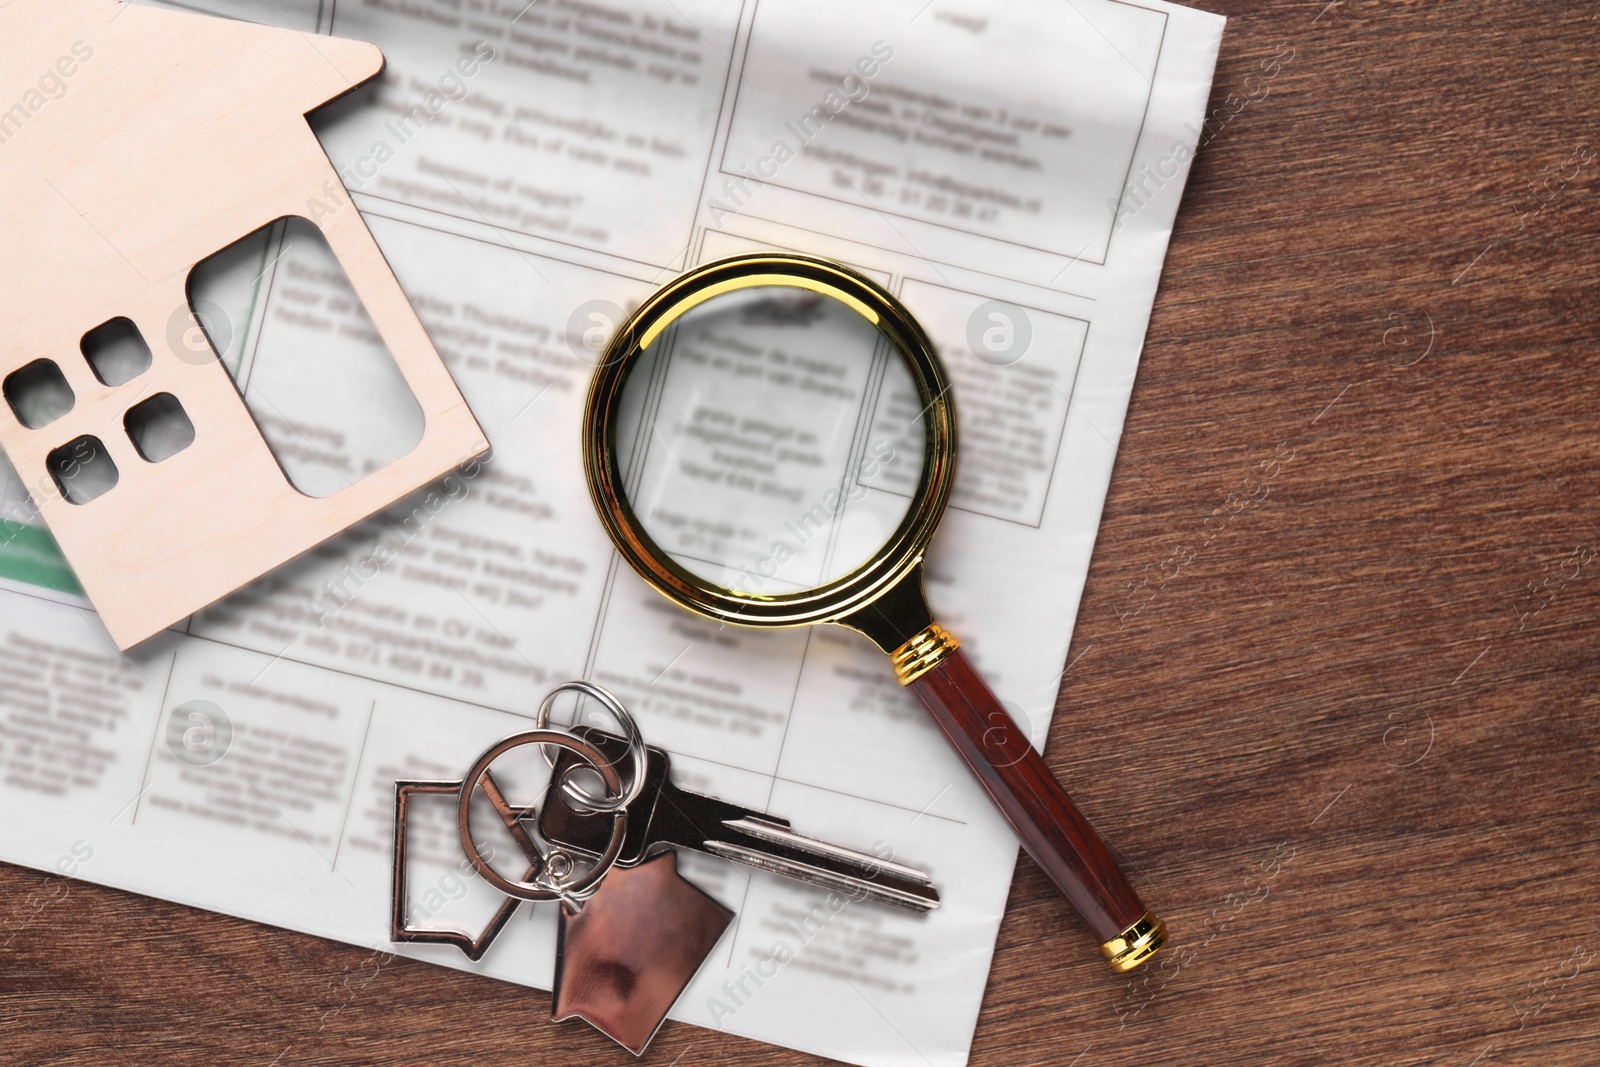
{"x": 1333, "y": 686}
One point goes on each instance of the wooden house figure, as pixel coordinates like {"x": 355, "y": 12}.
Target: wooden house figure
{"x": 135, "y": 142}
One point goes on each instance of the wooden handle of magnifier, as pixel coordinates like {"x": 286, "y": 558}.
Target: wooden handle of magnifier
{"x": 1051, "y": 828}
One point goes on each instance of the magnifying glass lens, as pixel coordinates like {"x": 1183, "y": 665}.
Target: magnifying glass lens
{"x": 771, "y": 440}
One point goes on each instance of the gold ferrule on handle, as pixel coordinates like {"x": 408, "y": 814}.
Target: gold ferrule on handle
{"x": 923, "y": 653}
{"x": 1135, "y": 944}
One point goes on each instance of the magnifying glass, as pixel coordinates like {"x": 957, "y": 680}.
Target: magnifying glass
{"x": 770, "y": 441}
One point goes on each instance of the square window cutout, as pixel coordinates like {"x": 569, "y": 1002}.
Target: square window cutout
{"x": 82, "y": 469}
{"x": 159, "y": 427}
{"x": 116, "y": 351}
{"x": 38, "y": 394}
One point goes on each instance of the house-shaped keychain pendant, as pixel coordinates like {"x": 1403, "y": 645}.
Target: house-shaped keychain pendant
{"x": 134, "y": 144}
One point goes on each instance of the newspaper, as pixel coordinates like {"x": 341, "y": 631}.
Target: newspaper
{"x": 532, "y": 171}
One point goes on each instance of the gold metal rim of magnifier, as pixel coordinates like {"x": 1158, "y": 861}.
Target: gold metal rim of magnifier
{"x": 602, "y": 464}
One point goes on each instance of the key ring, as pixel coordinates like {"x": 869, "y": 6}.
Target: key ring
{"x": 630, "y": 730}
{"x": 540, "y": 889}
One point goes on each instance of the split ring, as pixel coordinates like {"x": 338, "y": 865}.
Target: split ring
{"x": 537, "y": 890}
{"x": 630, "y": 730}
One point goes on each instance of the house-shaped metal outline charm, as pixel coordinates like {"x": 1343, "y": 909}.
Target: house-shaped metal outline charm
{"x": 134, "y": 143}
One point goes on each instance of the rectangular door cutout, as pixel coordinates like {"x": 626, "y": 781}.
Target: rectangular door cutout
{"x": 279, "y": 311}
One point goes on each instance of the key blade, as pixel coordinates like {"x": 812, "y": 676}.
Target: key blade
{"x": 667, "y": 815}
{"x": 780, "y": 834}
{"x": 778, "y": 850}
{"x": 706, "y": 824}
{"x": 921, "y": 899}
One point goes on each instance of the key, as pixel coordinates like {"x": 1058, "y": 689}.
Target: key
{"x": 665, "y": 815}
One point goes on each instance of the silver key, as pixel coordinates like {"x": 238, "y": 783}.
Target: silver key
{"x": 665, "y": 815}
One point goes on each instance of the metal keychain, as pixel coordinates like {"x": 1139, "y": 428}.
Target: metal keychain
{"x": 546, "y": 878}
{"x": 630, "y": 940}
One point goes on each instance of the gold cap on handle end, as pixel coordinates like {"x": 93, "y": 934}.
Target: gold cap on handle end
{"x": 1136, "y": 944}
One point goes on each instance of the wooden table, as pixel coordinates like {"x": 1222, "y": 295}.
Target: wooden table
{"x": 1337, "y": 653}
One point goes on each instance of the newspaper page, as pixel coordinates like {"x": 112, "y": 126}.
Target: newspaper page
{"x": 532, "y": 171}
